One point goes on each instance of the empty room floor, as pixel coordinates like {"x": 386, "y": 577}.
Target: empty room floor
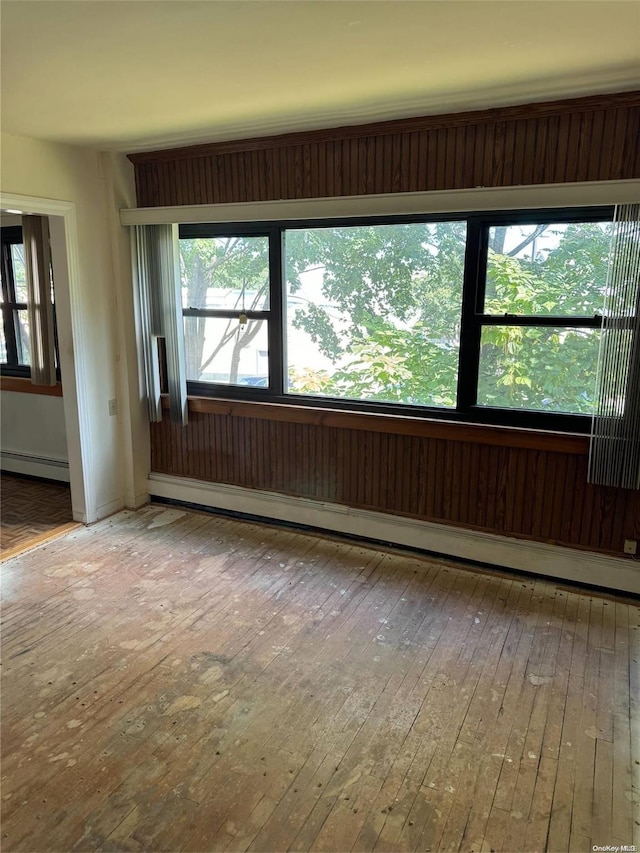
{"x": 31, "y": 511}
{"x": 179, "y": 681}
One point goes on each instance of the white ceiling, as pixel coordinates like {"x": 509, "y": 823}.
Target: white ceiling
{"x": 134, "y": 75}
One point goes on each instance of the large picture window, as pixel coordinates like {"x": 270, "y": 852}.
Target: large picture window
{"x": 373, "y": 312}
{"x": 487, "y": 317}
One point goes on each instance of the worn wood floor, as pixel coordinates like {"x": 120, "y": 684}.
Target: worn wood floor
{"x": 177, "y": 681}
{"x": 31, "y": 510}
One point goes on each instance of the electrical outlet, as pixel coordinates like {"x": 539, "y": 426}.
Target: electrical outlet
{"x": 113, "y": 408}
{"x": 630, "y": 546}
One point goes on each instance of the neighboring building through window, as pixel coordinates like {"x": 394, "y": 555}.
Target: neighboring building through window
{"x": 489, "y": 317}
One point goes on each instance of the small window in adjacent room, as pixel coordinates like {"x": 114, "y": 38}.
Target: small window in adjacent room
{"x": 15, "y": 355}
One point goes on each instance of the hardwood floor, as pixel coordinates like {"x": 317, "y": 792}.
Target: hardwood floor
{"x": 179, "y": 681}
{"x": 32, "y": 510}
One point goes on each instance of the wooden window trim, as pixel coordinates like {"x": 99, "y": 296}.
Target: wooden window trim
{"x": 530, "y": 439}
{"x": 25, "y": 386}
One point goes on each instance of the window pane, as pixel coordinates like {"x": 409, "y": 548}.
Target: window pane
{"x": 23, "y": 343}
{"x": 373, "y": 312}
{"x": 551, "y": 370}
{"x": 19, "y": 275}
{"x": 226, "y": 351}
{"x": 3, "y": 345}
{"x": 229, "y": 273}
{"x": 548, "y": 269}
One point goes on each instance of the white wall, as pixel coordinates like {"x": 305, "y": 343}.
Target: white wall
{"x": 77, "y": 175}
{"x": 32, "y": 435}
{"x": 132, "y": 408}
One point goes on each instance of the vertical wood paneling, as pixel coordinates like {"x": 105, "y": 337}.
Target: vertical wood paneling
{"x": 502, "y": 481}
{"x": 543, "y": 144}
{"x": 527, "y": 165}
{"x": 488, "y": 174}
{"x": 441, "y": 161}
{"x": 587, "y": 139}
{"x": 285, "y": 188}
{"x": 509, "y": 153}
{"x": 498, "y": 155}
{"x": 518, "y": 492}
{"x": 465, "y": 471}
{"x": 633, "y": 149}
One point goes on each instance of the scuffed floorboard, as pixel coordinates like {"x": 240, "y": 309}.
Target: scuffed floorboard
{"x": 178, "y": 681}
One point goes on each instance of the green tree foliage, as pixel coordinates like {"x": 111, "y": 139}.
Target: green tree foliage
{"x": 384, "y": 311}
{"x": 389, "y": 319}
{"x": 236, "y": 270}
{"x": 551, "y": 369}
{"x": 401, "y": 343}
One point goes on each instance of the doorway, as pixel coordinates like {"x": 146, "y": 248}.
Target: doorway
{"x": 65, "y": 421}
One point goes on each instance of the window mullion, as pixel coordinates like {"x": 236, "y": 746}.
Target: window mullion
{"x": 277, "y": 357}
{"x": 8, "y": 319}
{"x": 226, "y": 315}
{"x": 541, "y": 320}
{"x": 475, "y": 273}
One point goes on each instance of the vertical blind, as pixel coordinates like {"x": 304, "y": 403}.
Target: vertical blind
{"x": 614, "y": 458}
{"x": 157, "y": 277}
{"x": 144, "y": 275}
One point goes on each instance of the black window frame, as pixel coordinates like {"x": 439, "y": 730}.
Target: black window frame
{"x": 473, "y": 317}
{"x": 11, "y": 236}
{"x": 272, "y": 315}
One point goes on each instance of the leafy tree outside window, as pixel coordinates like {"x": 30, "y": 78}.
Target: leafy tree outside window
{"x": 478, "y": 314}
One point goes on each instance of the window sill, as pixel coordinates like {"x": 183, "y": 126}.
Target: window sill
{"x": 24, "y": 386}
{"x": 501, "y": 436}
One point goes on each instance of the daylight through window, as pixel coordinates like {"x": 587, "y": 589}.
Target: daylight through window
{"x": 15, "y": 349}
{"x": 484, "y": 317}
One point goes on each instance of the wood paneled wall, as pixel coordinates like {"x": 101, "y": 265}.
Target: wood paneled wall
{"x": 583, "y": 139}
{"x": 538, "y": 493}
{"x": 524, "y": 492}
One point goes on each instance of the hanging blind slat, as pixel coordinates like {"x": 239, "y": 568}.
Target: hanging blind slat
{"x": 171, "y": 319}
{"x": 157, "y": 276}
{"x": 614, "y": 458}
{"x": 149, "y": 316}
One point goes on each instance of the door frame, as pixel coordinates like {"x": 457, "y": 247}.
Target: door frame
{"x": 73, "y": 343}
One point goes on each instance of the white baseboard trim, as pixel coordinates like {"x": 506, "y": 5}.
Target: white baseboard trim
{"x": 35, "y": 466}
{"x": 137, "y": 501}
{"x": 109, "y": 508}
{"x": 570, "y": 564}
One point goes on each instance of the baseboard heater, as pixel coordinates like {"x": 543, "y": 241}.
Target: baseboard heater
{"x": 489, "y": 549}
{"x": 35, "y": 466}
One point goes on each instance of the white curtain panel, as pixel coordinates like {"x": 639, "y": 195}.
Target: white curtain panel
{"x": 37, "y": 258}
{"x": 614, "y": 458}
